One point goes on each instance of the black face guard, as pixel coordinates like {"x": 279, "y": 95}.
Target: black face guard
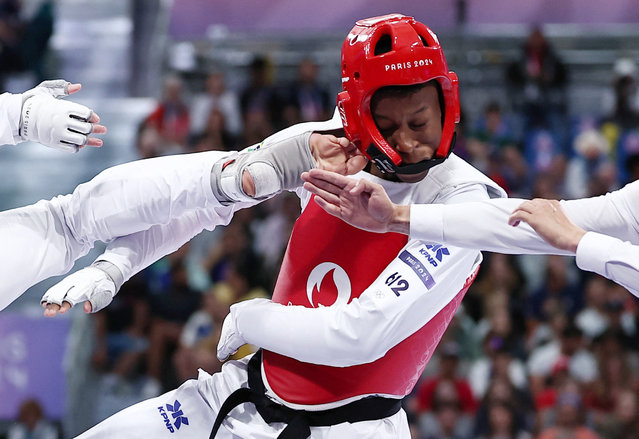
{"x": 386, "y": 165}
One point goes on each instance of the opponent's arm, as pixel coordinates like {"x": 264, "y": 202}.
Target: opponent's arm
{"x": 602, "y": 254}
{"x": 481, "y": 225}
{"x": 40, "y": 116}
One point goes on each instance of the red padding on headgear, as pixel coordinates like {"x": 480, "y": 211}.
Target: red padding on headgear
{"x": 409, "y": 62}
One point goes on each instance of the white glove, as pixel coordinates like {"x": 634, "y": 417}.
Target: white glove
{"x": 90, "y": 283}
{"x": 55, "y": 123}
{"x": 230, "y": 337}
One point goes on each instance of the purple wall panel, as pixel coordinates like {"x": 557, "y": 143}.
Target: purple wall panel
{"x": 31, "y": 353}
{"x": 190, "y": 18}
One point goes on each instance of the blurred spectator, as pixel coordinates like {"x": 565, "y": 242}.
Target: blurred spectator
{"x": 624, "y": 421}
{"x": 170, "y": 309}
{"x": 588, "y": 172}
{"x": 306, "y": 100}
{"x": 446, "y": 419}
{"x": 24, "y": 43}
{"x": 500, "y": 284}
{"x": 615, "y": 376}
{"x": 272, "y": 232}
{"x": 497, "y": 362}
{"x": 539, "y": 80}
{"x": 565, "y": 355}
{"x": 501, "y": 392}
{"x": 592, "y": 318}
{"x": 31, "y": 423}
{"x": 216, "y": 97}
{"x": 490, "y": 135}
{"x": 148, "y": 141}
{"x": 171, "y": 117}
{"x": 570, "y": 412}
{"x": 448, "y": 373}
{"x": 624, "y": 114}
{"x": 502, "y": 423}
{"x": 621, "y": 125}
{"x": 121, "y": 334}
{"x": 560, "y": 290}
{"x": 199, "y": 338}
{"x": 215, "y": 136}
{"x": 260, "y": 98}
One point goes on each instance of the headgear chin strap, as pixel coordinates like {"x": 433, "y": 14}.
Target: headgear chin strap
{"x": 412, "y": 56}
{"x": 387, "y": 166}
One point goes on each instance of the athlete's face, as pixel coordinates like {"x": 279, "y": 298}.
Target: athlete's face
{"x": 412, "y": 126}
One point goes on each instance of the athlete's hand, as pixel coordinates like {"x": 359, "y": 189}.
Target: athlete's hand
{"x": 230, "y": 340}
{"x": 90, "y": 285}
{"x": 360, "y": 203}
{"x": 550, "y": 222}
{"x": 56, "y": 123}
{"x": 336, "y": 154}
{"x": 230, "y": 337}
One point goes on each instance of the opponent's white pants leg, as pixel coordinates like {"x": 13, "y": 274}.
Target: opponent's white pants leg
{"x": 200, "y": 401}
{"x": 45, "y": 239}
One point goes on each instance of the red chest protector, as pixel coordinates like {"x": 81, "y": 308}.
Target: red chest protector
{"x": 328, "y": 260}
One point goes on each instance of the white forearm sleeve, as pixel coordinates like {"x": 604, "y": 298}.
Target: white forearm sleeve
{"x": 363, "y": 330}
{"x": 484, "y": 225}
{"x": 481, "y": 225}
{"x": 610, "y": 257}
{"x": 10, "y": 107}
{"x": 133, "y": 253}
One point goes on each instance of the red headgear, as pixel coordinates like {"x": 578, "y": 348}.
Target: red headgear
{"x": 415, "y": 57}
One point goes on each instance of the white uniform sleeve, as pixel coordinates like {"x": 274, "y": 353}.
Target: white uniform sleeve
{"x": 133, "y": 253}
{"x": 610, "y": 257}
{"x": 10, "y": 108}
{"x": 481, "y": 225}
{"x": 484, "y": 225}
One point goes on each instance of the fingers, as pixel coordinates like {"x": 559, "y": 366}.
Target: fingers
{"x": 517, "y": 216}
{"x": 52, "y": 309}
{"x": 95, "y": 142}
{"x": 328, "y": 207}
{"x": 97, "y": 129}
{"x": 326, "y": 195}
{"x": 329, "y": 177}
{"x": 355, "y": 164}
{"x": 94, "y": 118}
{"x": 73, "y": 88}
{"x": 88, "y": 308}
{"x": 364, "y": 185}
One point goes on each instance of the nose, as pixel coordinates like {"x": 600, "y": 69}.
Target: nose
{"x": 403, "y": 140}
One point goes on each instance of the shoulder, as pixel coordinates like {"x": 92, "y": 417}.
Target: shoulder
{"x": 456, "y": 172}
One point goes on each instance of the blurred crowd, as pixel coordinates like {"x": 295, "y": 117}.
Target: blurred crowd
{"x": 538, "y": 348}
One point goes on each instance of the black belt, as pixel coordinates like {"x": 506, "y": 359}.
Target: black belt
{"x": 300, "y": 421}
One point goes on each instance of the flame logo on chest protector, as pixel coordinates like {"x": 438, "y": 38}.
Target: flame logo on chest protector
{"x": 340, "y": 278}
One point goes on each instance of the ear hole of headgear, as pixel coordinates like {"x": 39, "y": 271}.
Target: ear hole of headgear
{"x": 383, "y": 45}
{"x": 423, "y": 41}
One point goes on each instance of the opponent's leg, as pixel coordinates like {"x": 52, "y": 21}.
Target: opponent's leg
{"x": 46, "y": 238}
